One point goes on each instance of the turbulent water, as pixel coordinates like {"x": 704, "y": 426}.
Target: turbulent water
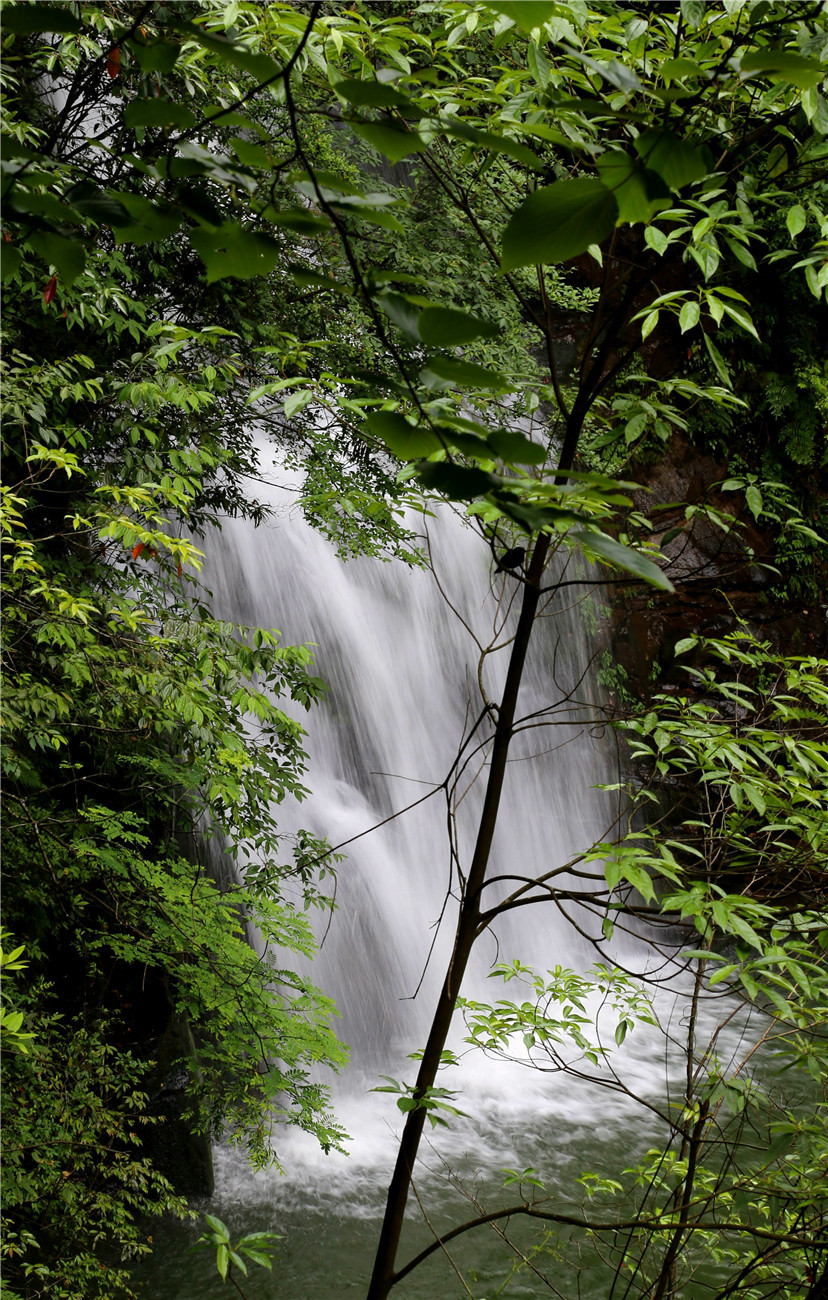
{"x": 399, "y": 649}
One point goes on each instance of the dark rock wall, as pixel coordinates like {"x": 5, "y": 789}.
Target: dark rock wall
{"x": 720, "y": 578}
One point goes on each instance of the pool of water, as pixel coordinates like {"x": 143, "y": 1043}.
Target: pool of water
{"x": 327, "y": 1209}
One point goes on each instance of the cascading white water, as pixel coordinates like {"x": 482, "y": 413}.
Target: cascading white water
{"x": 401, "y": 666}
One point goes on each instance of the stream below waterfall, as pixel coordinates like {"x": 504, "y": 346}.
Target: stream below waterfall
{"x": 400, "y": 660}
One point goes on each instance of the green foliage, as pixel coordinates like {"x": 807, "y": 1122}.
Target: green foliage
{"x": 556, "y": 1015}
{"x": 180, "y": 203}
{"x": 733, "y": 775}
{"x": 76, "y": 1186}
{"x": 255, "y": 1246}
{"x": 11, "y": 1020}
{"x": 431, "y": 1101}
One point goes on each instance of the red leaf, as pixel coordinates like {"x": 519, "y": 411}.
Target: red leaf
{"x": 179, "y": 571}
{"x": 137, "y": 549}
{"x": 50, "y": 290}
{"x": 113, "y": 62}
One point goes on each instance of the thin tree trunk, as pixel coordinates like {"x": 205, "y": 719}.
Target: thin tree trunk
{"x": 384, "y": 1276}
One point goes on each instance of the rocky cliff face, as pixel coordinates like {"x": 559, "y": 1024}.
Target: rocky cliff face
{"x": 721, "y": 574}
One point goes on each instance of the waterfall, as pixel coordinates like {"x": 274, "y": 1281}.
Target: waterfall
{"x": 401, "y": 667}
{"x": 397, "y": 647}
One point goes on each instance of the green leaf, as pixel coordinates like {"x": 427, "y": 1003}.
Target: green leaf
{"x": 678, "y": 69}
{"x": 370, "y": 94}
{"x": 160, "y": 56}
{"x": 516, "y": 448}
{"x": 149, "y": 224}
{"x": 689, "y": 316}
{"x": 376, "y": 217}
{"x": 782, "y": 65}
{"x": 740, "y": 316}
{"x": 406, "y": 441}
{"x": 718, "y": 361}
{"x": 402, "y": 311}
{"x": 648, "y": 325}
{"x": 391, "y": 141}
{"x": 495, "y": 143}
{"x": 693, "y": 11}
{"x": 607, "y": 548}
{"x": 260, "y": 66}
{"x": 656, "y": 239}
{"x": 314, "y": 279}
{"x": 526, "y": 14}
{"x": 737, "y": 925}
{"x": 558, "y": 222}
{"x": 234, "y": 251}
{"x": 325, "y": 180}
{"x": 218, "y": 1226}
{"x": 223, "y": 1261}
{"x": 258, "y": 1257}
{"x": 620, "y": 1032}
{"x": 102, "y": 208}
{"x": 795, "y": 220}
{"x": 23, "y": 19}
{"x": 158, "y": 112}
{"x": 67, "y": 255}
{"x": 249, "y": 153}
{"x": 639, "y": 191}
{"x": 753, "y": 497}
{"x": 465, "y": 373}
{"x": 10, "y": 261}
{"x": 635, "y": 427}
{"x": 677, "y": 163}
{"x": 457, "y": 482}
{"x": 535, "y": 519}
{"x": 297, "y": 402}
{"x": 300, "y": 221}
{"x": 445, "y": 327}
{"x": 471, "y": 446}
{"x": 238, "y": 1261}
{"x": 723, "y": 973}
{"x": 741, "y": 252}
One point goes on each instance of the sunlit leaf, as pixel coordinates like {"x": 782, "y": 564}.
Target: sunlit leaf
{"x": 795, "y": 220}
